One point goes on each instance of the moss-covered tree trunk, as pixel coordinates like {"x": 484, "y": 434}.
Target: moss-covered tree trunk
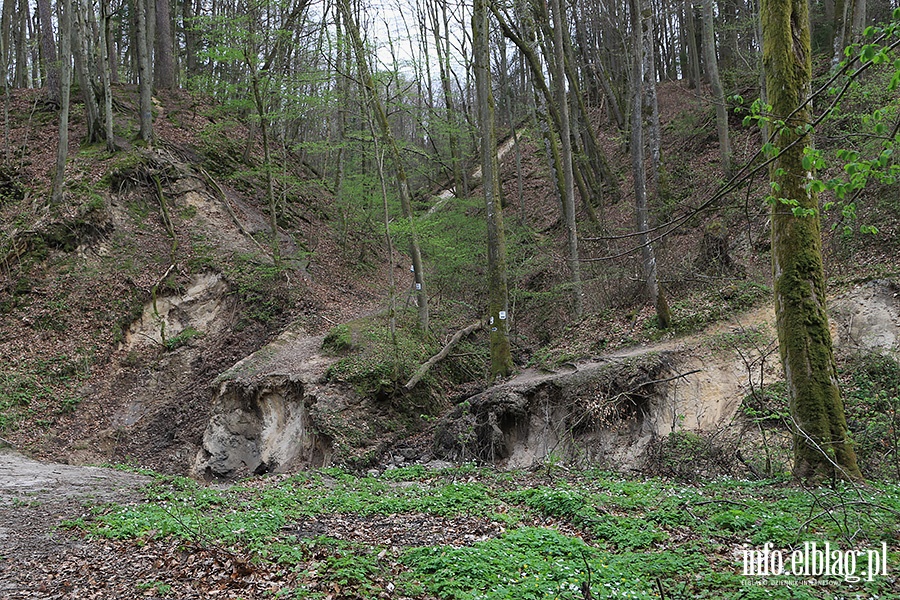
{"x": 821, "y": 445}
{"x": 498, "y": 299}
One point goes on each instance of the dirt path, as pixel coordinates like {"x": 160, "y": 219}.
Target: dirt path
{"x": 37, "y": 558}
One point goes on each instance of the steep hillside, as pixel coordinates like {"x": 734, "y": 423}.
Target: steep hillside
{"x": 120, "y": 306}
{"x": 122, "y": 309}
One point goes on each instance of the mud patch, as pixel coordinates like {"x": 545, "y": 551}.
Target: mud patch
{"x": 35, "y": 498}
{"x": 23, "y": 480}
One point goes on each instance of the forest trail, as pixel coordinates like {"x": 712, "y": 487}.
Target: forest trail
{"x": 444, "y": 195}
{"x": 36, "y": 498}
{"x": 756, "y": 318}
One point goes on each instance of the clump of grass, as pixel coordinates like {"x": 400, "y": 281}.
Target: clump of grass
{"x": 182, "y": 338}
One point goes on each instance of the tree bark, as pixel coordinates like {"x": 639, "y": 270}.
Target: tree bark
{"x": 590, "y": 57}
{"x": 62, "y": 148}
{"x": 21, "y": 77}
{"x": 693, "y": 47}
{"x": 48, "y": 51}
{"x": 83, "y": 63}
{"x": 5, "y": 27}
{"x": 144, "y": 74}
{"x": 164, "y": 65}
{"x": 540, "y": 85}
{"x": 565, "y": 136}
{"x": 642, "y": 218}
{"x": 654, "y": 134}
{"x": 712, "y": 70}
{"x": 106, "y": 76}
{"x": 190, "y": 39}
{"x": 591, "y": 146}
{"x": 442, "y": 48}
{"x": 267, "y": 158}
{"x": 498, "y": 297}
{"x": 822, "y": 449}
{"x": 849, "y": 22}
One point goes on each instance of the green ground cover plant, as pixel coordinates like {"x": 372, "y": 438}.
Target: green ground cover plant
{"x": 584, "y": 534}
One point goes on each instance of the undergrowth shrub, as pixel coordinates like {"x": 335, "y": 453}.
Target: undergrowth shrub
{"x": 375, "y": 362}
{"x": 871, "y": 387}
{"x": 259, "y": 285}
{"x": 452, "y": 240}
{"x": 768, "y": 404}
{"x": 710, "y": 306}
{"x": 692, "y": 456}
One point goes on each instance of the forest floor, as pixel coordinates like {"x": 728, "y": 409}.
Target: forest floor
{"x": 37, "y": 558}
{"x": 428, "y": 531}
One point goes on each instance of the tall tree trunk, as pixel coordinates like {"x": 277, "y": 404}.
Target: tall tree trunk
{"x": 507, "y": 99}
{"x": 540, "y": 84}
{"x": 267, "y": 158}
{"x": 83, "y": 64}
{"x": 4, "y": 73}
{"x": 443, "y": 57}
{"x": 559, "y": 59}
{"x": 727, "y": 46}
{"x": 400, "y": 173}
{"x": 190, "y": 39}
{"x": 590, "y": 55}
{"x": 693, "y": 47}
{"x": 642, "y": 217}
{"x": 145, "y": 79}
{"x": 498, "y": 300}
{"x": 763, "y": 96}
{"x": 712, "y": 70}
{"x": 112, "y": 56}
{"x": 164, "y": 65}
{"x": 822, "y": 449}
{"x": 849, "y": 22}
{"x": 859, "y": 21}
{"x": 6, "y": 40}
{"x": 35, "y": 47}
{"x": 62, "y": 148}
{"x": 48, "y": 51}
{"x": 654, "y": 134}
{"x": 591, "y": 146}
{"x": 21, "y": 79}
{"x": 106, "y": 76}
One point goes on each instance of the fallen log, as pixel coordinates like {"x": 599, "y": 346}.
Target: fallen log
{"x": 426, "y": 366}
